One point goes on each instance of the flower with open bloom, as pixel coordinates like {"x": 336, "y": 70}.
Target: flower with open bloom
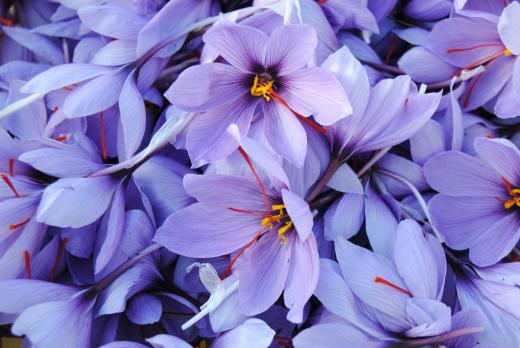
{"x": 270, "y": 71}
{"x": 477, "y": 208}
{"x": 268, "y": 230}
{"x": 379, "y": 301}
{"x": 464, "y": 42}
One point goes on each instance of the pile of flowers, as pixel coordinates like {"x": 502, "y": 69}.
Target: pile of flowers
{"x": 267, "y": 173}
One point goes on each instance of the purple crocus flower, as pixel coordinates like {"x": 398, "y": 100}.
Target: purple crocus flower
{"x": 262, "y": 70}
{"x": 465, "y": 42}
{"x": 269, "y": 230}
{"x": 476, "y": 207}
{"x": 378, "y": 301}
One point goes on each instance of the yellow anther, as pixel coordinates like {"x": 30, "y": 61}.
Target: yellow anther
{"x": 284, "y": 229}
{"x": 262, "y": 89}
{"x": 507, "y": 52}
{"x": 508, "y": 204}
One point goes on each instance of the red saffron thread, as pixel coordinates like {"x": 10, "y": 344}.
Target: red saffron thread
{"x": 61, "y": 251}
{"x": 27, "y": 259}
{"x": 392, "y": 285}
{"x": 235, "y": 258}
{"x": 250, "y": 164}
{"x": 11, "y": 166}
{"x": 14, "y": 227}
{"x": 456, "y": 50}
{"x": 10, "y": 184}
{"x": 102, "y": 127}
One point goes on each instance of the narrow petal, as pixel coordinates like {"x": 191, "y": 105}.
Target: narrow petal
{"x": 117, "y": 52}
{"x": 302, "y": 276}
{"x": 299, "y": 212}
{"x": 416, "y": 262}
{"x": 285, "y": 133}
{"x": 116, "y": 22}
{"x": 262, "y": 274}
{"x": 290, "y": 48}
{"x": 344, "y": 217}
{"x": 240, "y": 45}
{"x": 133, "y": 115}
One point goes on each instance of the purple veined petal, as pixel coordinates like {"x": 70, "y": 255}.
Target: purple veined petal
{"x": 262, "y": 274}
{"x": 457, "y": 174}
{"x": 501, "y": 155}
{"x": 316, "y": 92}
{"x": 414, "y": 35}
{"x": 461, "y": 220}
{"x": 76, "y": 202}
{"x": 507, "y": 103}
{"x": 225, "y": 191}
{"x": 405, "y": 168}
{"x": 69, "y": 29}
{"x": 253, "y": 333}
{"x": 110, "y": 231}
{"x": 488, "y": 84}
{"x": 160, "y": 178}
{"x": 350, "y": 15}
{"x": 345, "y": 180}
{"x": 290, "y": 48}
{"x": 39, "y": 44}
{"x": 427, "y": 142}
{"x": 70, "y": 320}
{"x": 424, "y": 66}
{"x": 60, "y": 162}
{"x": 112, "y": 21}
{"x": 19, "y": 294}
{"x": 381, "y": 9}
{"x": 352, "y": 76}
{"x": 508, "y": 27}
{"x": 123, "y": 344}
{"x": 465, "y": 33}
{"x": 302, "y": 276}
{"x": 167, "y": 341}
{"x": 15, "y": 212}
{"x": 416, "y": 262}
{"x": 117, "y": 52}
{"x": 144, "y": 309}
{"x": 285, "y": 133}
{"x": 299, "y": 213}
{"x": 202, "y": 87}
{"x": 336, "y": 296}
{"x": 30, "y": 239}
{"x": 170, "y": 21}
{"x": 336, "y": 335}
{"x": 208, "y": 140}
{"x": 312, "y": 14}
{"x": 133, "y": 115}
{"x": 428, "y": 11}
{"x": 430, "y": 317}
{"x": 241, "y": 46}
{"x": 345, "y": 217}
{"x": 496, "y": 243}
{"x": 64, "y": 75}
{"x": 381, "y": 223}
{"x": 114, "y": 298}
{"x": 212, "y": 231}
{"x": 366, "y": 273}
{"x": 86, "y": 48}
{"x": 96, "y": 95}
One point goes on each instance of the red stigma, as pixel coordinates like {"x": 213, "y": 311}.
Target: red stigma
{"x": 283, "y": 341}
{"x": 102, "y": 128}
{"x": 61, "y": 251}
{"x": 55, "y": 109}
{"x": 6, "y": 22}
{"x": 322, "y": 2}
{"x": 248, "y": 212}
{"x": 379, "y": 280}
{"x": 14, "y": 227}
{"x": 27, "y": 259}
{"x": 61, "y": 138}
{"x": 250, "y": 164}
{"x": 227, "y": 272}
{"x": 302, "y": 118}
{"x": 391, "y": 48}
{"x": 11, "y": 166}
{"x": 10, "y": 184}
{"x": 456, "y": 50}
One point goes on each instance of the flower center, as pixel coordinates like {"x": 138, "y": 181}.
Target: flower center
{"x": 262, "y": 86}
{"x": 277, "y": 218}
{"x": 514, "y": 194}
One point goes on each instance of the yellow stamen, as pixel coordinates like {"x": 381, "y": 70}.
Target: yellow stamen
{"x": 262, "y": 89}
{"x": 284, "y": 229}
{"x": 507, "y": 52}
